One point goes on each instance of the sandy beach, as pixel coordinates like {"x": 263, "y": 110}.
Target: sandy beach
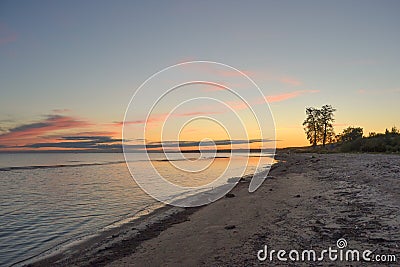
{"x": 308, "y": 201}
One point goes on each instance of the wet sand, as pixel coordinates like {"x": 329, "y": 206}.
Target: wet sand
{"x": 308, "y": 201}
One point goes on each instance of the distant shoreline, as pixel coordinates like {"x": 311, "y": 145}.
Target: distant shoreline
{"x": 149, "y": 151}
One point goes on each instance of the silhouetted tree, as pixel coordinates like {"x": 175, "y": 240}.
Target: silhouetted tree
{"x": 351, "y": 134}
{"x": 326, "y": 120}
{"x": 318, "y": 125}
{"x": 312, "y": 125}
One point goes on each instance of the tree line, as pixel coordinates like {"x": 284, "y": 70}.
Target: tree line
{"x": 352, "y": 140}
{"x": 318, "y": 127}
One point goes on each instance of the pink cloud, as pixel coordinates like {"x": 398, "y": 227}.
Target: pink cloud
{"x": 233, "y": 73}
{"x": 213, "y": 89}
{"x": 86, "y": 133}
{"x": 222, "y": 87}
{"x": 235, "y": 105}
{"x": 238, "y": 105}
{"x": 163, "y": 116}
{"x": 286, "y": 96}
{"x": 195, "y": 113}
{"x": 32, "y": 132}
{"x": 290, "y": 81}
{"x": 253, "y": 74}
{"x": 151, "y": 119}
{"x": 230, "y": 73}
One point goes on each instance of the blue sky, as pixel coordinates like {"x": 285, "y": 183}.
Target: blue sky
{"x": 88, "y": 57}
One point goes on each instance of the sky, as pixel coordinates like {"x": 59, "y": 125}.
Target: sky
{"x": 68, "y": 69}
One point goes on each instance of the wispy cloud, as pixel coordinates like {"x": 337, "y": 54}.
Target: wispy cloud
{"x": 163, "y": 116}
{"x": 240, "y": 105}
{"x": 290, "y": 81}
{"x": 286, "y": 96}
{"x": 60, "y": 132}
{"x": 31, "y": 132}
{"x": 260, "y": 75}
{"x": 266, "y": 77}
{"x": 283, "y": 79}
{"x": 81, "y": 142}
{"x": 233, "y": 73}
{"x": 195, "y": 113}
{"x": 51, "y": 123}
{"x": 214, "y": 88}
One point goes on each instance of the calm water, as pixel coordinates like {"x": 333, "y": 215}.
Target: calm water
{"x": 48, "y": 200}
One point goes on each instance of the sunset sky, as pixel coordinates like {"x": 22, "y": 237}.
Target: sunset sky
{"x": 69, "y": 68}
